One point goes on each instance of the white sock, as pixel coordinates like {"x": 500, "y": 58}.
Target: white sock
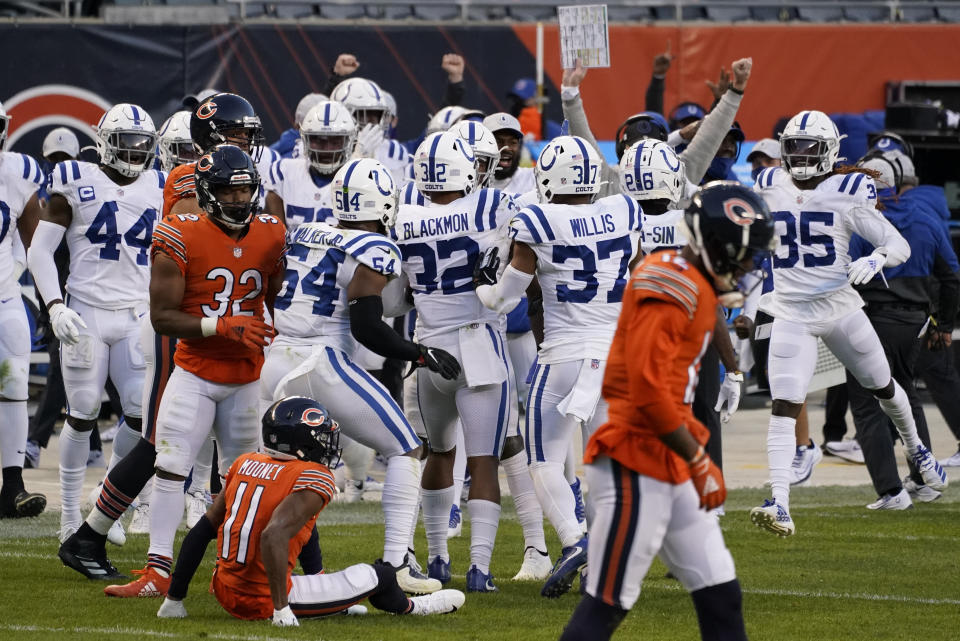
{"x": 898, "y": 409}
{"x": 459, "y": 468}
{"x": 13, "y": 432}
{"x": 123, "y": 442}
{"x": 525, "y": 499}
{"x": 557, "y": 501}
{"x": 436, "y": 517}
{"x": 166, "y": 512}
{"x": 144, "y": 497}
{"x": 202, "y": 467}
{"x": 74, "y": 450}
{"x": 781, "y": 448}
{"x": 412, "y": 546}
{"x": 356, "y": 459}
{"x": 401, "y": 493}
{"x": 570, "y": 465}
{"x": 484, "y": 519}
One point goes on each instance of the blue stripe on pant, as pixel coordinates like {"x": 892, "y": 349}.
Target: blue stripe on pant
{"x": 502, "y": 413}
{"x": 534, "y": 400}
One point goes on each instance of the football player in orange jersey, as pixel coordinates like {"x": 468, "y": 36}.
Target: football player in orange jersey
{"x": 650, "y": 479}
{"x": 211, "y": 276}
{"x": 262, "y": 518}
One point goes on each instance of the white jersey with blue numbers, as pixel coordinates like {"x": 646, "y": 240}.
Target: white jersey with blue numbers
{"x": 521, "y": 182}
{"x": 661, "y": 231}
{"x": 20, "y": 178}
{"x": 264, "y": 162}
{"x": 813, "y": 228}
{"x": 110, "y": 234}
{"x": 440, "y": 245}
{"x": 311, "y": 307}
{"x": 396, "y": 158}
{"x": 583, "y": 255}
{"x": 306, "y": 196}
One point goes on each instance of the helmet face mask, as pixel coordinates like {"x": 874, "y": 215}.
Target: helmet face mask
{"x": 365, "y": 101}
{"x": 175, "y": 146}
{"x": 300, "y": 428}
{"x": 484, "y": 145}
{"x": 218, "y": 174}
{"x": 327, "y": 133}
{"x": 810, "y": 145}
{"x": 4, "y": 126}
{"x": 126, "y": 140}
{"x": 226, "y": 118}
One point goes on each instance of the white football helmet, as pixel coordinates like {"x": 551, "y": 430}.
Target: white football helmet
{"x": 568, "y": 165}
{"x": 445, "y": 162}
{"x": 810, "y": 145}
{"x": 391, "y": 104}
{"x": 365, "y": 100}
{"x": 651, "y": 170}
{"x": 908, "y": 173}
{"x": 4, "y": 125}
{"x": 363, "y": 189}
{"x": 126, "y": 139}
{"x": 327, "y": 133}
{"x": 444, "y": 119}
{"x": 175, "y": 146}
{"x": 484, "y": 147}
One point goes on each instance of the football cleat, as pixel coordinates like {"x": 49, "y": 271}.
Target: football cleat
{"x": 455, "y": 526}
{"x": 899, "y": 501}
{"x": 439, "y": 569}
{"x": 416, "y": 570}
{"x": 196, "y": 503}
{"x": 441, "y": 602}
{"x": 951, "y": 461}
{"x": 571, "y": 561}
{"x": 773, "y": 517}
{"x": 580, "y": 509}
{"x": 151, "y": 583}
{"x": 477, "y": 581}
{"x": 352, "y": 491}
{"x": 140, "y": 521}
{"x": 536, "y": 565}
{"x": 416, "y": 584}
{"x": 89, "y": 558}
{"x": 24, "y": 504}
{"x": 804, "y": 461}
{"x": 116, "y": 534}
{"x": 171, "y": 609}
{"x": 847, "y": 450}
{"x": 920, "y": 492}
{"x": 933, "y": 475}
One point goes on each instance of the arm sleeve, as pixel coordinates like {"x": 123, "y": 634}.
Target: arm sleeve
{"x": 574, "y": 113}
{"x": 654, "y": 97}
{"x": 698, "y": 156}
{"x": 368, "y": 328}
{"x": 879, "y": 232}
{"x": 454, "y": 94}
{"x": 332, "y": 81}
{"x": 652, "y": 346}
{"x": 45, "y": 241}
{"x": 508, "y": 291}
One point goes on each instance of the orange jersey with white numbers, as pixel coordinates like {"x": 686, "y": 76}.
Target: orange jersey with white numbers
{"x": 179, "y": 185}
{"x": 223, "y": 277}
{"x": 666, "y": 324}
{"x": 256, "y": 484}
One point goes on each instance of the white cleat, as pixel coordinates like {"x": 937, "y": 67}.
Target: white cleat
{"x": 171, "y": 609}
{"x": 950, "y": 461}
{"x": 412, "y": 584}
{"x": 919, "y": 492}
{"x": 140, "y": 521}
{"x": 933, "y": 475}
{"x": 804, "y": 461}
{"x": 536, "y": 565}
{"x": 116, "y": 535}
{"x": 898, "y": 501}
{"x": 352, "y": 491}
{"x": 773, "y": 517}
{"x": 197, "y": 504}
{"x": 442, "y": 602}
{"x": 847, "y": 450}
{"x": 356, "y": 611}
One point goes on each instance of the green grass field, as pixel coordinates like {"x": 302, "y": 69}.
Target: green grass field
{"x": 847, "y": 574}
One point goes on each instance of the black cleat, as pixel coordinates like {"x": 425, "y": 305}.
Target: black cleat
{"x": 24, "y": 504}
{"x": 89, "y": 558}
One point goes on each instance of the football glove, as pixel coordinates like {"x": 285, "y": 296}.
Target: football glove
{"x": 285, "y": 617}
{"x": 65, "y": 322}
{"x": 729, "y": 394}
{"x": 486, "y": 268}
{"x": 368, "y": 139}
{"x": 439, "y": 361}
{"x": 862, "y": 270}
{"x": 171, "y": 609}
{"x": 708, "y": 479}
{"x": 246, "y": 330}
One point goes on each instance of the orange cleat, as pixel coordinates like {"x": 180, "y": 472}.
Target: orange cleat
{"x": 151, "y": 583}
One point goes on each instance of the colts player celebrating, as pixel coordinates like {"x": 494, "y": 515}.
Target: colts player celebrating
{"x": 580, "y": 251}
{"x": 817, "y": 209}
{"x": 210, "y": 278}
{"x": 107, "y": 212}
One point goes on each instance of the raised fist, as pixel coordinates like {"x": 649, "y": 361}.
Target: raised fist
{"x": 346, "y": 64}
{"x": 453, "y": 65}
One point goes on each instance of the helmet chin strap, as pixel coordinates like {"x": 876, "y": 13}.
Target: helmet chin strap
{"x": 727, "y": 293}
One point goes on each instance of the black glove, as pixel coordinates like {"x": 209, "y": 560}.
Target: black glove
{"x": 439, "y": 361}
{"x": 485, "y": 269}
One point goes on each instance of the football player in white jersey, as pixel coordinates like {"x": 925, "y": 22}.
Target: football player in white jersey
{"x": 300, "y": 187}
{"x": 330, "y": 302}
{"x": 175, "y": 147}
{"x": 580, "y": 250}
{"x": 366, "y": 102}
{"x": 107, "y": 213}
{"x": 509, "y": 176}
{"x": 440, "y": 243}
{"x": 816, "y": 209}
{"x": 20, "y": 177}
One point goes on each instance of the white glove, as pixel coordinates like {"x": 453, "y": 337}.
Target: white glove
{"x": 863, "y": 269}
{"x": 171, "y": 609}
{"x": 285, "y": 617}
{"x": 729, "y": 394}
{"x": 18, "y": 269}
{"x": 64, "y": 322}
{"x": 368, "y": 139}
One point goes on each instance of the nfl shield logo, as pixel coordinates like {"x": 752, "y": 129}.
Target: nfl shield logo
{"x": 237, "y": 252}
{"x": 595, "y": 363}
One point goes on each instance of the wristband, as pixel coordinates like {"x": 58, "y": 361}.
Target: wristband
{"x": 698, "y": 456}
{"x": 208, "y": 326}
{"x": 739, "y": 92}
